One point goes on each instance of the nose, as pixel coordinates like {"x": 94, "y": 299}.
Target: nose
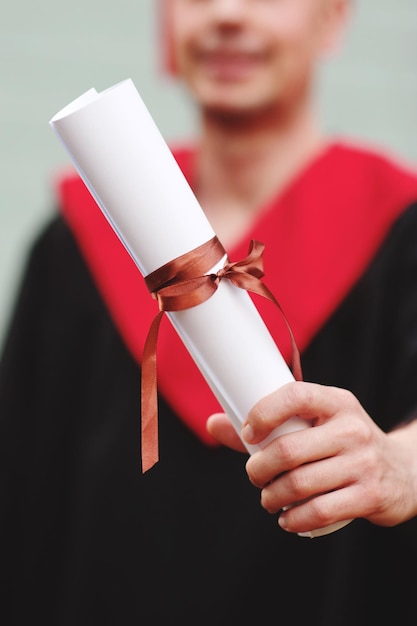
{"x": 228, "y": 10}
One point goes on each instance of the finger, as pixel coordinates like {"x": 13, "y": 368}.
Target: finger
{"x": 290, "y": 450}
{"x": 310, "y": 401}
{"x": 285, "y": 453}
{"x": 321, "y": 511}
{"x": 220, "y": 427}
{"x": 308, "y": 481}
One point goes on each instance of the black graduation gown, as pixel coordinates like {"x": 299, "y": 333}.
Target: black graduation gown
{"x": 87, "y": 539}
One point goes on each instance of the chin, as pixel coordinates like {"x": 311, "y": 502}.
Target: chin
{"x": 239, "y": 106}
{"x": 235, "y": 98}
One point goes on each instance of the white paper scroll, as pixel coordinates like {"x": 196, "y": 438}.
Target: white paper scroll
{"x": 128, "y": 168}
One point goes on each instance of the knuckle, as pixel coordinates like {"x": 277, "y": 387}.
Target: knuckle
{"x": 260, "y": 416}
{"x": 346, "y": 396}
{"x": 321, "y": 512}
{"x": 299, "y": 395}
{"x": 358, "y": 430}
{"x": 298, "y": 483}
{"x": 285, "y": 451}
{"x": 253, "y": 472}
{"x": 267, "y": 501}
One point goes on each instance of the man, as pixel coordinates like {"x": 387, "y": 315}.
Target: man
{"x": 89, "y": 539}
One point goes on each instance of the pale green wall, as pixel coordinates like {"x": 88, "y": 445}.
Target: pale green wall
{"x": 51, "y": 52}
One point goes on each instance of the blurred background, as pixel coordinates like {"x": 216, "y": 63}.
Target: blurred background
{"x": 51, "y": 52}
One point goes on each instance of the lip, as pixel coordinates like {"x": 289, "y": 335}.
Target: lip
{"x": 223, "y": 65}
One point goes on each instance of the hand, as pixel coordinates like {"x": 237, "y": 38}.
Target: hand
{"x": 344, "y": 467}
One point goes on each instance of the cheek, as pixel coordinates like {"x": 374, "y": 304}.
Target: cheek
{"x": 295, "y": 47}
{"x": 292, "y": 69}
{"x": 181, "y": 30}
{"x": 294, "y": 24}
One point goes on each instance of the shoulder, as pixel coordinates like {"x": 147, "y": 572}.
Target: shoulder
{"x": 70, "y": 190}
{"x": 377, "y": 170}
{"x": 54, "y": 257}
{"x": 368, "y": 186}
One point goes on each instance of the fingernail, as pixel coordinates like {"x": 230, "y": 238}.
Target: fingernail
{"x": 247, "y": 433}
{"x": 282, "y": 523}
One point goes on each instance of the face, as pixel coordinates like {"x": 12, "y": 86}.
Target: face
{"x": 242, "y": 55}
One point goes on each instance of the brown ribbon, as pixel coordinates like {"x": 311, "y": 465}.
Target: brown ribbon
{"x": 181, "y": 284}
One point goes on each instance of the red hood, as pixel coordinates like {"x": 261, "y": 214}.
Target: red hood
{"x": 320, "y": 235}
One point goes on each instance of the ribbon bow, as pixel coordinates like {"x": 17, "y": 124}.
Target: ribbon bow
{"x": 181, "y": 284}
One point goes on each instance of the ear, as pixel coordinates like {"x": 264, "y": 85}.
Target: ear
{"x": 167, "y": 62}
{"x": 336, "y": 14}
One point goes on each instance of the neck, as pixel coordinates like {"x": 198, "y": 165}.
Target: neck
{"x": 249, "y": 157}
{"x": 245, "y": 161}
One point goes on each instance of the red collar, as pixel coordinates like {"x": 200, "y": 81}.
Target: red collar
{"x": 320, "y": 235}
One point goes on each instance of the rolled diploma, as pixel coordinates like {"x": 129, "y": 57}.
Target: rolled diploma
{"x": 128, "y": 168}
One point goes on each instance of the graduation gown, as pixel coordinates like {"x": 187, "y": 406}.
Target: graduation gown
{"x": 86, "y": 537}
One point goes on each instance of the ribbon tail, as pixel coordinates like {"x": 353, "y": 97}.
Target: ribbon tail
{"x": 251, "y": 283}
{"x": 149, "y": 399}
{"x": 295, "y": 355}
